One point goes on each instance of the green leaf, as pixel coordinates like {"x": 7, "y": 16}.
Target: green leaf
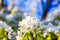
{"x": 59, "y": 37}
{"x": 51, "y": 36}
{"x": 2, "y": 18}
{"x": 58, "y": 17}
{"x": 3, "y": 34}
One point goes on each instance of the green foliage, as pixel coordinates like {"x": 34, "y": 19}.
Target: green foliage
{"x": 4, "y": 10}
{"x": 54, "y": 23}
{"x": 14, "y": 12}
{"x": 13, "y": 24}
{"x": 58, "y": 17}
{"x": 3, "y": 34}
{"x": 28, "y": 36}
{"x": 51, "y": 36}
{"x": 2, "y": 18}
{"x": 59, "y": 37}
{"x": 39, "y": 36}
{"x": 33, "y": 36}
{"x": 19, "y": 18}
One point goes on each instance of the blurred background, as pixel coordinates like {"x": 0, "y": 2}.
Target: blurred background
{"x": 37, "y": 8}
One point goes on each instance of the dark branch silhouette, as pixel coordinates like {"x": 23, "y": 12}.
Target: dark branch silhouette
{"x": 46, "y": 9}
{"x": 3, "y": 4}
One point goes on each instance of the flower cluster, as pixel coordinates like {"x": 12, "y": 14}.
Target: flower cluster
{"x": 31, "y": 27}
{"x": 29, "y": 24}
{"x": 16, "y": 25}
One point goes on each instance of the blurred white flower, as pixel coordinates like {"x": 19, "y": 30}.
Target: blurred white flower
{"x": 28, "y": 24}
{"x": 7, "y": 28}
{"x": 44, "y": 34}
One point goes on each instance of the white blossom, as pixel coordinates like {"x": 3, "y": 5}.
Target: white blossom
{"x": 28, "y": 24}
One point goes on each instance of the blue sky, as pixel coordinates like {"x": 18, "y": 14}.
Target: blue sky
{"x": 39, "y": 5}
